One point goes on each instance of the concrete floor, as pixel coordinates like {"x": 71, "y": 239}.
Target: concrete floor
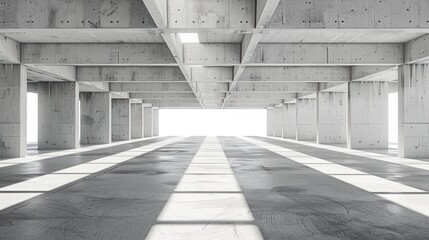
{"x": 214, "y": 188}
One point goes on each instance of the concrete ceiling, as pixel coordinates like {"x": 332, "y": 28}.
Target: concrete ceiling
{"x": 251, "y": 53}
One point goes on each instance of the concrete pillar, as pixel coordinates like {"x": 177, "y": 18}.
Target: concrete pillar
{"x": 58, "y": 115}
{"x": 367, "y": 115}
{"x": 270, "y": 122}
{"x": 13, "y": 110}
{"x": 96, "y": 118}
{"x": 121, "y": 120}
{"x": 136, "y": 120}
{"x": 278, "y": 121}
{"x": 148, "y": 121}
{"x": 155, "y": 122}
{"x": 306, "y": 119}
{"x": 413, "y": 111}
{"x": 331, "y": 118}
{"x": 289, "y": 120}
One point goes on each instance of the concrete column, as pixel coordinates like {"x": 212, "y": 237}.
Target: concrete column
{"x": 121, "y": 120}
{"x": 58, "y": 115}
{"x": 148, "y": 121}
{"x": 367, "y": 115}
{"x": 136, "y": 120}
{"x": 306, "y": 119}
{"x": 270, "y": 122}
{"x": 289, "y": 120}
{"x": 155, "y": 122}
{"x": 413, "y": 111}
{"x": 96, "y": 117}
{"x": 13, "y": 110}
{"x": 278, "y": 121}
{"x": 331, "y": 118}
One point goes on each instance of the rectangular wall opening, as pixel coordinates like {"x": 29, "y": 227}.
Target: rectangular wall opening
{"x": 212, "y": 122}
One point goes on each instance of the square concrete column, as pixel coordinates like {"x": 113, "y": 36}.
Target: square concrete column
{"x": 148, "y": 121}
{"x": 367, "y": 115}
{"x": 155, "y": 121}
{"x": 270, "y": 122}
{"x": 278, "y": 121}
{"x": 306, "y": 119}
{"x": 136, "y": 120}
{"x": 413, "y": 111}
{"x": 13, "y": 110}
{"x": 96, "y": 117}
{"x": 331, "y": 117}
{"x": 121, "y": 120}
{"x": 58, "y": 115}
{"x": 289, "y": 120}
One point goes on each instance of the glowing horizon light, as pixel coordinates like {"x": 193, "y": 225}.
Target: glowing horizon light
{"x": 189, "y": 37}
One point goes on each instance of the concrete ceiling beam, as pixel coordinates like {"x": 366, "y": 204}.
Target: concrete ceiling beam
{"x": 212, "y": 74}
{"x": 238, "y": 95}
{"x": 165, "y": 95}
{"x": 41, "y": 73}
{"x": 150, "y": 87}
{"x": 276, "y": 87}
{"x": 374, "y": 73}
{"x": 94, "y": 87}
{"x": 417, "y": 50}
{"x": 159, "y": 12}
{"x": 96, "y": 54}
{"x": 130, "y": 74}
{"x": 9, "y": 50}
{"x": 296, "y": 74}
{"x": 329, "y": 54}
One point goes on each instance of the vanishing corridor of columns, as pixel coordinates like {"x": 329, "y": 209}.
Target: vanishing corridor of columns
{"x": 88, "y": 88}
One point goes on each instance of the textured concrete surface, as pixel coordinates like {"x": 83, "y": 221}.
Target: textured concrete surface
{"x": 287, "y": 200}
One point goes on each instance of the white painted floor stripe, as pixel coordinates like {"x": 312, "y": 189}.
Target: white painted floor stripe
{"x": 38, "y": 157}
{"x": 208, "y": 183}
{"x": 43, "y": 183}
{"x": 414, "y": 163}
{"x": 415, "y": 202}
{"x": 204, "y": 232}
{"x": 207, "y": 192}
{"x": 365, "y": 181}
{"x": 10, "y": 199}
{"x": 60, "y": 178}
{"x": 185, "y": 207}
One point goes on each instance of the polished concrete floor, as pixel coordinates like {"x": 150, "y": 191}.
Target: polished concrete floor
{"x": 214, "y": 188}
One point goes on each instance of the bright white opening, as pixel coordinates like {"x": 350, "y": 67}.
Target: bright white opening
{"x": 32, "y": 109}
{"x": 212, "y": 122}
{"x": 189, "y": 37}
{"x": 393, "y": 118}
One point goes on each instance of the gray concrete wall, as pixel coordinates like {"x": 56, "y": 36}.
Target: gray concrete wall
{"x": 155, "y": 122}
{"x": 306, "y": 119}
{"x": 331, "y": 117}
{"x": 136, "y": 120}
{"x": 270, "y": 122}
{"x": 121, "y": 121}
{"x": 278, "y": 121}
{"x": 13, "y": 110}
{"x": 413, "y": 111}
{"x": 148, "y": 121}
{"x": 96, "y": 118}
{"x": 289, "y": 120}
{"x": 367, "y": 117}
{"x": 58, "y": 115}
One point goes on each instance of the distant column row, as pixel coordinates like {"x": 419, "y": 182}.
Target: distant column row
{"x": 359, "y": 117}
{"x": 102, "y": 119}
